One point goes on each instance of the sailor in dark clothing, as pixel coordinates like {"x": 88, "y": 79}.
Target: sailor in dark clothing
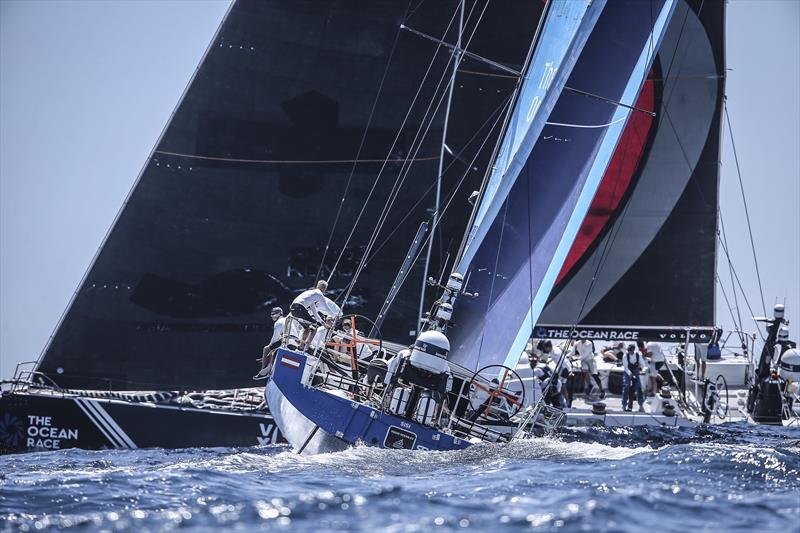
{"x": 551, "y": 385}
{"x": 632, "y": 363}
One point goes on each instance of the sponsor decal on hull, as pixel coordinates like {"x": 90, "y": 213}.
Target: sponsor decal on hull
{"x": 12, "y": 431}
{"x": 399, "y": 439}
{"x": 107, "y": 425}
{"x": 34, "y": 432}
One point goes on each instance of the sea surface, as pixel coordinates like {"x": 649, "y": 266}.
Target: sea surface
{"x": 726, "y": 478}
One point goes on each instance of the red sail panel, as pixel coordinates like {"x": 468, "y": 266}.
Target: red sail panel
{"x": 617, "y": 178}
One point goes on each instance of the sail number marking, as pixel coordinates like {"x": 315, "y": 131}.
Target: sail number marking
{"x": 548, "y": 74}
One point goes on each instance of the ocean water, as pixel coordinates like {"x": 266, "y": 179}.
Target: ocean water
{"x": 727, "y": 478}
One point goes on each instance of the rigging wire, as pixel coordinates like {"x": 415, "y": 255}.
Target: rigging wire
{"x": 739, "y": 332}
{"x": 391, "y": 149}
{"x": 449, "y": 201}
{"x": 588, "y": 126}
{"x": 360, "y": 147}
{"x": 285, "y": 161}
{"x": 498, "y": 145}
{"x": 744, "y": 295}
{"x": 744, "y": 201}
{"x": 410, "y": 210}
{"x": 724, "y": 237}
{"x": 407, "y": 166}
{"x": 401, "y": 179}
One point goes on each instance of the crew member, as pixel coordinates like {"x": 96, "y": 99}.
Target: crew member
{"x": 632, "y": 363}
{"x": 657, "y": 362}
{"x": 700, "y": 358}
{"x": 307, "y": 308}
{"x": 533, "y": 360}
{"x": 550, "y": 384}
{"x": 543, "y": 350}
{"x": 363, "y": 350}
{"x": 584, "y": 348}
{"x": 318, "y": 341}
{"x": 267, "y": 353}
{"x": 570, "y": 379}
{"x": 782, "y": 344}
{"x": 612, "y": 354}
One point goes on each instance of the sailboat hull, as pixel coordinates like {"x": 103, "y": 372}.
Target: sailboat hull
{"x": 298, "y": 430}
{"x": 32, "y": 421}
{"x": 337, "y": 416}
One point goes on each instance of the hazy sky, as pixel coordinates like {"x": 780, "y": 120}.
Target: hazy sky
{"x": 86, "y": 88}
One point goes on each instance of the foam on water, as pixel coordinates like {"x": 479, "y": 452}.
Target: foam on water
{"x": 728, "y": 478}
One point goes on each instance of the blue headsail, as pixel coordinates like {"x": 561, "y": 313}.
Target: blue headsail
{"x": 567, "y": 26}
{"x": 515, "y": 251}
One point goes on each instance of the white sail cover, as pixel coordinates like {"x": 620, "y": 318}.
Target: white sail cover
{"x": 521, "y": 242}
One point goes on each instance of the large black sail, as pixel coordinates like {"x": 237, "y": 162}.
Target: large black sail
{"x": 644, "y": 262}
{"x": 232, "y": 211}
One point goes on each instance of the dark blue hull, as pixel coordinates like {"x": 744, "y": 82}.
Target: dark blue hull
{"x": 342, "y": 419}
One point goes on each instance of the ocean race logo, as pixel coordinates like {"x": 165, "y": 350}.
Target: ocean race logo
{"x": 12, "y": 430}
{"x": 41, "y": 433}
{"x": 614, "y": 334}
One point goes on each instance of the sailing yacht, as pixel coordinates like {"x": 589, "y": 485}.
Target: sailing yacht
{"x": 586, "y": 70}
{"x": 294, "y": 107}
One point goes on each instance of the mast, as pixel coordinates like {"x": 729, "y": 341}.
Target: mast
{"x": 457, "y": 52}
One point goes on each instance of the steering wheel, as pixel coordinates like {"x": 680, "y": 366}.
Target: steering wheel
{"x": 491, "y": 394}
{"x": 721, "y": 409}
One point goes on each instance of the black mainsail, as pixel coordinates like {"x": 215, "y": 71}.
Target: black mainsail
{"x": 228, "y": 215}
{"x": 643, "y": 265}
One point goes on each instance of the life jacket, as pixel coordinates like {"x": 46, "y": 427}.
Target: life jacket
{"x": 635, "y": 363}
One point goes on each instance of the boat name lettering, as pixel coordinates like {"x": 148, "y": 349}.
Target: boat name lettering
{"x": 43, "y": 434}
